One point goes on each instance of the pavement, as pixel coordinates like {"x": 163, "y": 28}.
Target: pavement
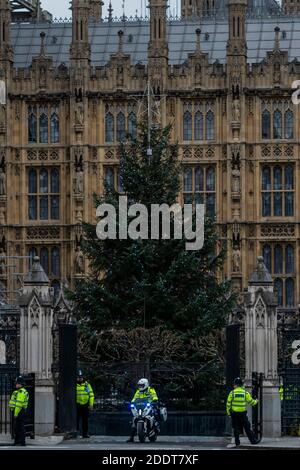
{"x": 163, "y": 443}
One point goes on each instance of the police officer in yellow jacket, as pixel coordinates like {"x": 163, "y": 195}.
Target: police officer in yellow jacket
{"x": 236, "y": 407}
{"x": 85, "y": 402}
{"x": 144, "y": 391}
{"x": 18, "y": 405}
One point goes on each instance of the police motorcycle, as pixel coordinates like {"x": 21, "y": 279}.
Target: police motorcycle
{"x": 144, "y": 419}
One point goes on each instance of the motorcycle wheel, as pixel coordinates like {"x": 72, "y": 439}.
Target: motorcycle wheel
{"x": 141, "y": 431}
{"x": 153, "y": 438}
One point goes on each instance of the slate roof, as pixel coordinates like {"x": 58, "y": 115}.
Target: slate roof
{"x": 262, "y": 17}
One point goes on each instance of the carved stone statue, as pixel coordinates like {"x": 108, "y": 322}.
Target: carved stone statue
{"x": 79, "y": 261}
{"x": 2, "y": 182}
{"x": 78, "y": 182}
{"x": 2, "y": 261}
{"x": 2, "y": 115}
{"x": 236, "y": 261}
{"x": 235, "y": 180}
{"x": 79, "y": 114}
{"x": 236, "y": 115}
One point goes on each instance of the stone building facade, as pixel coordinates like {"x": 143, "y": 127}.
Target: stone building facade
{"x": 222, "y": 75}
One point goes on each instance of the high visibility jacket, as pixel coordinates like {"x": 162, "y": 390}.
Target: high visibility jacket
{"x": 149, "y": 393}
{"x": 85, "y": 394}
{"x": 238, "y": 399}
{"x": 288, "y": 393}
{"x": 18, "y": 401}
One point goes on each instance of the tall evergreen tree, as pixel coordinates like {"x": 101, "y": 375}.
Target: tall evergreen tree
{"x": 150, "y": 283}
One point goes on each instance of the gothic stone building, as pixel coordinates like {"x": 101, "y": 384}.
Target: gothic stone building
{"x": 223, "y": 73}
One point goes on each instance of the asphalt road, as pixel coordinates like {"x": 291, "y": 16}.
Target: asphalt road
{"x": 119, "y": 443}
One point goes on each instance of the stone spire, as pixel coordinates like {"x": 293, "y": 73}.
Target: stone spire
{"x": 96, "y": 10}
{"x": 158, "y": 46}
{"x": 290, "y": 6}
{"x": 236, "y": 45}
{"x": 190, "y": 8}
{"x": 80, "y": 47}
{"x": 6, "y": 51}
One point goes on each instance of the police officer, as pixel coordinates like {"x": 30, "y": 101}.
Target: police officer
{"x": 85, "y": 402}
{"x": 236, "y": 407}
{"x": 18, "y": 405}
{"x": 144, "y": 391}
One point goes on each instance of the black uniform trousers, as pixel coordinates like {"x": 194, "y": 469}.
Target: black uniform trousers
{"x": 19, "y": 429}
{"x": 240, "y": 421}
{"x": 83, "y": 415}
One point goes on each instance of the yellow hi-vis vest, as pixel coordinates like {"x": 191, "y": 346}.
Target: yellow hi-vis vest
{"x": 84, "y": 394}
{"x": 149, "y": 393}
{"x": 238, "y": 399}
{"x": 18, "y": 401}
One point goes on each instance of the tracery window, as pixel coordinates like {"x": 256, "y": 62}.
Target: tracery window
{"x": 113, "y": 179}
{"x": 41, "y": 128}
{"x": 49, "y": 259}
{"x": 277, "y": 120}
{"x": 280, "y": 262}
{"x": 277, "y": 184}
{"x": 198, "y": 121}
{"x": 120, "y": 120}
{"x": 199, "y": 186}
{"x": 43, "y": 194}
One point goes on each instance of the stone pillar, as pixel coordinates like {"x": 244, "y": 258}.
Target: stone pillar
{"x": 261, "y": 344}
{"x": 36, "y": 304}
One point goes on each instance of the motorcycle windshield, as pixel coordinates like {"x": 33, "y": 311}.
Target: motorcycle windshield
{"x": 141, "y": 403}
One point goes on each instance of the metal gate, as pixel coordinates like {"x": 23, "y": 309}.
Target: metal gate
{"x": 290, "y": 379}
{"x": 9, "y": 369}
{"x": 257, "y": 411}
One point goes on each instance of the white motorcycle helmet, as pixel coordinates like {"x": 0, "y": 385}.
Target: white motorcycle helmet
{"x": 143, "y": 384}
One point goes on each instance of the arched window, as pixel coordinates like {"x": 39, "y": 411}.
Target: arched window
{"x": 288, "y": 124}
{"x": 289, "y": 177}
{"x": 277, "y": 177}
{"x": 109, "y": 128}
{"x": 277, "y": 124}
{"x": 32, "y": 125}
{"x": 289, "y": 259}
{"x": 278, "y": 260}
{"x": 54, "y": 128}
{"x": 120, "y": 182}
{"x": 56, "y": 287}
{"x": 54, "y": 180}
{"x": 267, "y": 257}
{"x": 266, "y": 204}
{"x": 187, "y": 126}
{"x": 32, "y": 254}
{"x": 43, "y": 181}
{"x": 199, "y": 179}
{"x": 289, "y": 204}
{"x": 289, "y": 292}
{"x": 278, "y": 289}
{"x": 266, "y": 178}
{"x": 121, "y": 127}
{"x": 210, "y": 204}
{"x": 210, "y": 179}
{"x": 44, "y": 213}
{"x": 32, "y": 194}
{"x": 198, "y": 126}
{"x": 44, "y": 259}
{"x": 210, "y": 125}
{"x": 266, "y": 125}
{"x": 188, "y": 180}
{"x": 132, "y": 125}
{"x": 109, "y": 177}
{"x": 55, "y": 194}
{"x": 55, "y": 261}
{"x": 43, "y": 126}
{"x": 32, "y": 181}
